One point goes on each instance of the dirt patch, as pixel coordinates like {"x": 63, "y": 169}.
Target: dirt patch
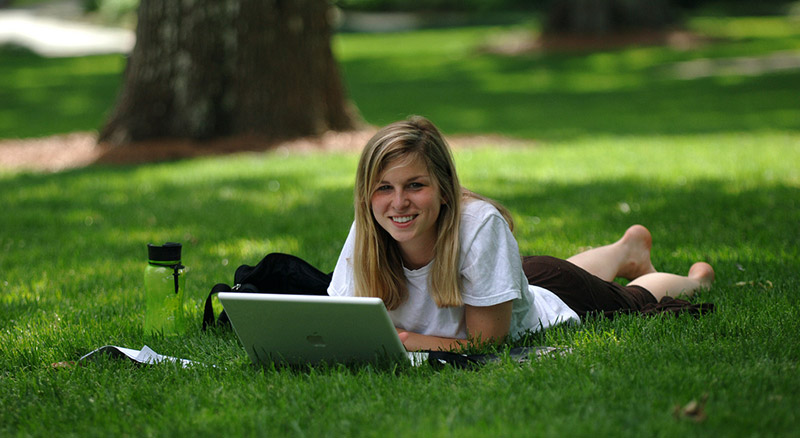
{"x": 51, "y": 154}
{"x": 79, "y": 149}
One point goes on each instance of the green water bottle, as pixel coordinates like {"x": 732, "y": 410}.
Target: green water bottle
{"x": 164, "y": 286}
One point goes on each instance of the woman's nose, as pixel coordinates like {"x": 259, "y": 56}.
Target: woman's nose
{"x": 400, "y": 200}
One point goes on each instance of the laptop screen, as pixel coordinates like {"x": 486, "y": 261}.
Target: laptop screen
{"x": 307, "y": 329}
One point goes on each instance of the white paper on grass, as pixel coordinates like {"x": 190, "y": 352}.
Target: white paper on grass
{"x": 145, "y": 356}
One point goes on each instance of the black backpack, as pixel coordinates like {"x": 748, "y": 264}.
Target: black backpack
{"x": 276, "y": 273}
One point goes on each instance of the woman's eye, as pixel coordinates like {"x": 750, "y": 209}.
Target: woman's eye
{"x": 416, "y": 185}
{"x": 383, "y": 188}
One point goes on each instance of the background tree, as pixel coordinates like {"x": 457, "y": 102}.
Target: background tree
{"x": 211, "y": 68}
{"x": 602, "y": 17}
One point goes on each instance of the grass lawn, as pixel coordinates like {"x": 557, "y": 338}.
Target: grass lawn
{"x": 613, "y": 138}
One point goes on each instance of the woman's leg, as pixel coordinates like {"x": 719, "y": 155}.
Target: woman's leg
{"x": 629, "y": 257}
{"x": 661, "y": 284}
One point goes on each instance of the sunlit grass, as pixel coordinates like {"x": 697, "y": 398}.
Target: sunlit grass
{"x": 747, "y": 27}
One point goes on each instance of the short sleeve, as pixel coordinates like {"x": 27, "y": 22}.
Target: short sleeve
{"x": 491, "y": 268}
{"x": 342, "y": 283}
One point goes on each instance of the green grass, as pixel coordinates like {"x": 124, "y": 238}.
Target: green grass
{"x": 444, "y": 75}
{"x": 41, "y": 96}
{"x": 709, "y": 165}
{"x": 74, "y": 250}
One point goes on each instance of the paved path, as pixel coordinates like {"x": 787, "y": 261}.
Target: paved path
{"x": 56, "y": 30}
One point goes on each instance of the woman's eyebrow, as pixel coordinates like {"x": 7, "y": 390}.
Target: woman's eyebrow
{"x": 410, "y": 179}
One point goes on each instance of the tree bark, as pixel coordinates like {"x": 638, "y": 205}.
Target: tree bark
{"x": 212, "y": 68}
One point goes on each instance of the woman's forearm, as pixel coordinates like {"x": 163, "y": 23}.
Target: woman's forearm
{"x": 415, "y": 342}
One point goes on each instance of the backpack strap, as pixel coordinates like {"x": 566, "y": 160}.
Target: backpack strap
{"x": 208, "y": 312}
{"x": 275, "y": 273}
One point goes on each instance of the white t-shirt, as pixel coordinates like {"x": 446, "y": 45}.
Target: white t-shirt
{"x": 491, "y": 273}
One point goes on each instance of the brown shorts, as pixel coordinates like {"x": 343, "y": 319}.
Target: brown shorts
{"x": 581, "y": 291}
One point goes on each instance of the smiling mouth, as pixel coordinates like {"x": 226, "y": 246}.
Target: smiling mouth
{"x": 403, "y": 219}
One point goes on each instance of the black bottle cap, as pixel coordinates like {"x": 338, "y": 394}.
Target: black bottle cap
{"x": 168, "y": 252}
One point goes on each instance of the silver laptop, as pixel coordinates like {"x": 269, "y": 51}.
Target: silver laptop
{"x": 303, "y": 329}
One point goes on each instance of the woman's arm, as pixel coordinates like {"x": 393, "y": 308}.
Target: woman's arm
{"x": 484, "y": 324}
{"x": 416, "y": 342}
{"x": 490, "y": 323}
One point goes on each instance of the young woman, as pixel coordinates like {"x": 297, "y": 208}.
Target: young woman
{"x": 447, "y": 266}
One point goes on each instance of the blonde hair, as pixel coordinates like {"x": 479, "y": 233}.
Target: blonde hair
{"x": 377, "y": 262}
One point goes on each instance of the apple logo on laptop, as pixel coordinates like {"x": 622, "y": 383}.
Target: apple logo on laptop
{"x": 316, "y": 340}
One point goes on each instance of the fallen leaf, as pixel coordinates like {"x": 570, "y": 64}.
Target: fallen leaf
{"x": 695, "y": 410}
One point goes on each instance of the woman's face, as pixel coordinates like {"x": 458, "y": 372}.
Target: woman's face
{"x": 406, "y": 203}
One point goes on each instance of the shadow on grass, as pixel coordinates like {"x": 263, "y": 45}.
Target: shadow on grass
{"x": 553, "y": 96}
{"x": 550, "y": 98}
{"x": 45, "y": 96}
{"x": 89, "y": 228}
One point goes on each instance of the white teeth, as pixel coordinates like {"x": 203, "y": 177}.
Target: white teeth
{"x": 402, "y": 219}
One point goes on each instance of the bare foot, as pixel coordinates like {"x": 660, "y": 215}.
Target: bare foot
{"x": 703, "y": 273}
{"x": 638, "y": 241}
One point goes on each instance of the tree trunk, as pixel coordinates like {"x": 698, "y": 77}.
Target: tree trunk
{"x": 603, "y": 17}
{"x": 212, "y": 68}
